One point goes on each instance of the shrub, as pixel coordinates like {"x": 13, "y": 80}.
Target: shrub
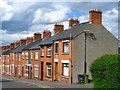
{"x": 106, "y": 71}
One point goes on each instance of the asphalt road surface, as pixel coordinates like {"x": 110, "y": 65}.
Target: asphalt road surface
{"x": 17, "y": 84}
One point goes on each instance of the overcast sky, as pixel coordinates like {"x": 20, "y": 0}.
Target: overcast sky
{"x": 21, "y": 19}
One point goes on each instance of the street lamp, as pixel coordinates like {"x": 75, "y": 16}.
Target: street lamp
{"x": 87, "y": 33}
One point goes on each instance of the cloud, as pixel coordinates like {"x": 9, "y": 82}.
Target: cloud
{"x": 57, "y": 13}
{"x": 6, "y": 10}
{"x": 110, "y": 21}
{"x": 6, "y": 37}
{"x": 22, "y": 18}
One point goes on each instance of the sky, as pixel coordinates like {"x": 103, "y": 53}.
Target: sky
{"x": 20, "y": 18}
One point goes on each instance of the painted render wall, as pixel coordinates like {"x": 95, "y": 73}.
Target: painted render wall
{"x": 105, "y": 43}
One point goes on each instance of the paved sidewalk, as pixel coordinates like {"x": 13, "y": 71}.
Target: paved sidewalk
{"x": 48, "y": 84}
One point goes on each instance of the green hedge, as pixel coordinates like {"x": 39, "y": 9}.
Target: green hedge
{"x": 106, "y": 72}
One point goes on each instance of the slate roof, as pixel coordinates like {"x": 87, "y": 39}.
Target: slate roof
{"x": 19, "y": 48}
{"x": 48, "y": 40}
{"x": 33, "y": 45}
{"x": 7, "y": 52}
{"x": 74, "y": 30}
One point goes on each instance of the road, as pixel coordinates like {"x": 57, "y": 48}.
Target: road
{"x": 9, "y": 83}
{"x": 14, "y": 82}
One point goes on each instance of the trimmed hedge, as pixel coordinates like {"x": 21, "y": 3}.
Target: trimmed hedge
{"x": 106, "y": 72}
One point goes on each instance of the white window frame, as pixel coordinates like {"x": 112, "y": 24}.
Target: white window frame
{"x": 12, "y": 69}
{"x": 3, "y": 67}
{"x": 36, "y": 55}
{"x": 23, "y": 55}
{"x": 19, "y": 57}
{"x": 65, "y": 47}
{"x": 13, "y": 56}
{"x": 49, "y": 67}
{"x": 31, "y": 55}
{"x": 18, "y": 70}
{"x": 36, "y": 70}
{"x": 26, "y": 55}
{"x": 26, "y": 69}
{"x": 7, "y": 69}
{"x": 42, "y": 52}
{"x": 65, "y": 68}
{"x": 49, "y": 51}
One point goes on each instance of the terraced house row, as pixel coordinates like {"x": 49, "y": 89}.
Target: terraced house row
{"x": 62, "y": 56}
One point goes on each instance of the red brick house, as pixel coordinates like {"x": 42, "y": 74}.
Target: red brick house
{"x": 66, "y": 54}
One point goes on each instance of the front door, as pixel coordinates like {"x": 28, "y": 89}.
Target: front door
{"x": 41, "y": 70}
{"x": 56, "y": 71}
{"x": 22, "y": 71}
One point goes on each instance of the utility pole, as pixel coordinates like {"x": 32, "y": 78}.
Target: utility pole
{"x": 70, "y": 59}
{"x": 85, "y": 57}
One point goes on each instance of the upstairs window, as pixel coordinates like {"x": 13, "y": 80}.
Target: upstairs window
{"x": 26, "y": 54}
{"x": 31, "y": 55}
{"x": 42, "y": 52}
{"x": 18, "y": 57}
{"x": 36, "y": 55}
{"x": 56, "y": 47}
{"x": 23, "y": 55}
{"x": 13, "y": 56}
{"x": 65, "y": 47}
{"x": 48, "y": 51}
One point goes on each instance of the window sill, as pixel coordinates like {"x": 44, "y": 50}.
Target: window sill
{"x": 36, "y": 59}
{"x": 48, "y": 76}
{"x": 65, "y": 76}
{"x": 65, "y": 53}
{"x": 56, "y": 53}
{"x": 48, "y": 56}
{"x": 26, "y": 74}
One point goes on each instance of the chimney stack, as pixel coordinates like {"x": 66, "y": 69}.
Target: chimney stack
{"x": 22, "y": 41}
{"x": 95, "y": 16}
{"x": 12, "y": 45}
{"x": 29, "y": 39}
{"x": 7, "y": 47}
{"x": 58, "y": 27}
{"x": 17, "y": 43}
{"x": 37, "y": 36}
{"x": 3, "y": 48}
{"x": 46, "y": 33}
{"x": 73, "y": 21}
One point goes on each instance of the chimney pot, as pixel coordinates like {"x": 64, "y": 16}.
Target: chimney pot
{"x": 46, "y": 33}
{"x": 73, "y": 21}
{"x": 37, "y": 36}
{"x": 58, "y": 27}
{"x": 22, "y": 41}
{"x": 29, "y": 39}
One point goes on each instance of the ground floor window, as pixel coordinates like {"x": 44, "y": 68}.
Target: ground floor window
{"x": 48, "y": 69}
{"x": 18, "y": 70}
{"x": 3, "y": 68}
{"x": 12, "y": 69}
{"x": 26, "y": 72}
{"x": 7, "y": 69}
{"x": 65, "y": 70}
{"x": 36, "y": 71}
